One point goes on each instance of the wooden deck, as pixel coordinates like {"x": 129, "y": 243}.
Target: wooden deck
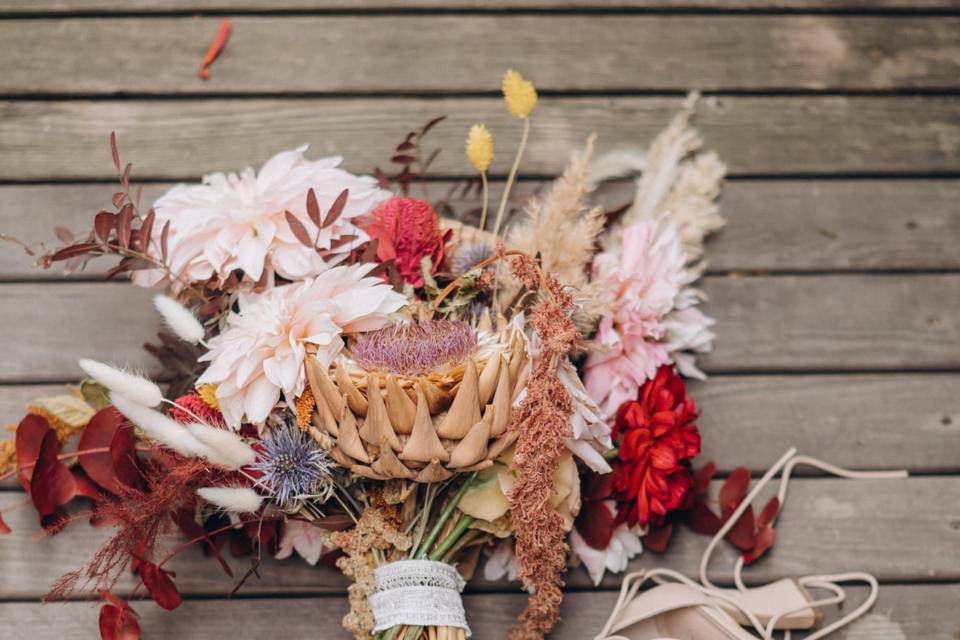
{"x": 836, "y": 285}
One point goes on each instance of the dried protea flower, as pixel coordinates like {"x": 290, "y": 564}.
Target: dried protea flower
{"x": 419, "y": 401}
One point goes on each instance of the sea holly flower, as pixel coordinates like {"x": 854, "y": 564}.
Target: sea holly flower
{"x": 237, "y": 221}
{"x": 293, "y": 466}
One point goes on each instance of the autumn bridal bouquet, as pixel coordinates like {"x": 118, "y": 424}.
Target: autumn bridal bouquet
{"x": 403, "y": 385}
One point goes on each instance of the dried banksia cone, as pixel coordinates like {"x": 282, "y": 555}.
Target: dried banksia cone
{"x": 419, "y": 400}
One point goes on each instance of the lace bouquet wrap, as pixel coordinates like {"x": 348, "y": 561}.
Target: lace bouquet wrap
{"x": 354, "y": 378}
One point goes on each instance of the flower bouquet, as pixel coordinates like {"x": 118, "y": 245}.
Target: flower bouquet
{"x": 358, "y": 374}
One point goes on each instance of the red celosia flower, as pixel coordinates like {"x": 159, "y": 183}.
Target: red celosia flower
{"x": 408, "y": 229}
{"x": 657, "y": 437}
{"x": 196, "y": 405}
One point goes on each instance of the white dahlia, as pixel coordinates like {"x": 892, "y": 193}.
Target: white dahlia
{"x": 236, "y": 221}
{"x": 261, "y": 351}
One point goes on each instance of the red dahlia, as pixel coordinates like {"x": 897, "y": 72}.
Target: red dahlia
{"x": 408, "y": 229}
{"x": 657, "y": 438}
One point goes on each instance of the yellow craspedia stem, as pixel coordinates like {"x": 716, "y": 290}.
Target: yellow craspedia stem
{"x": 480, "y": 147}
{"x": 208, "y": 392}
{"x": 519, "y": 93}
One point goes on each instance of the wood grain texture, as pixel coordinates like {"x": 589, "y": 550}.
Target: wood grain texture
{"x": 43, "y": 140}
{"x": 836, "y": 322}
{"x": 795, "y": 225}
{"x": 828, "y": 525}
{"x": 909, "y": 421}
{"x": 902, "y": 611}
{"x": 152, "y": 6}
{"x": 581, "y": 53}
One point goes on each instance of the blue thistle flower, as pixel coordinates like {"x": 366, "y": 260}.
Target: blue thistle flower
{"x": 293, "y": 466}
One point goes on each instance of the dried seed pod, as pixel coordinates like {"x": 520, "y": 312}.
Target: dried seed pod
{"x": 465, "y": 410}
{"x": 423, "y": 444}
{"x": 355, "y": 400}
{"x": 399, "y": 407}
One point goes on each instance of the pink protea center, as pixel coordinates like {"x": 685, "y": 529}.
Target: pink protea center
{"x": 407, "y": 230}
{"x": 415, "y": 348}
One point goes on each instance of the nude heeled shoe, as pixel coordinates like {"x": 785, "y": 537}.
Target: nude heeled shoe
{"x": 702, "y": 611}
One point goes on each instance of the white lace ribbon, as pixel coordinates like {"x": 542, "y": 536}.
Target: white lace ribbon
{"x": 421, "y": 593}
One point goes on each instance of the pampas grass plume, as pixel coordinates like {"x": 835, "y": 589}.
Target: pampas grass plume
{"x": 232, "y": 499}
{"x": 135, "y": 388}
{"x": 160, "y": 428}
{"x": 180, "y": 320}
{"x": 227, "y": 448}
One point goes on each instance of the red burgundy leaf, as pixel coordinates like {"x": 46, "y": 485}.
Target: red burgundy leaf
{"x": 336, "y": 209}
{"x": 743, "y": 535}
{"x": 598, "y": 486}
{"x": 29, "y": 439}
{"x": 63, "y": 234}
{"x": 658, "y": 538}
{"x": 107, "y": 428}
{"x": 103, "y": 224}
{"x": 596, "y": 524}
{"x": 124, "y": 224}
{"x": 113, "y": 150}
{"x": 51, "y": 485}
{"x": 161, "y": 587}
{"x": 765, "y": 539}
{"x": 702, "y": 478}
{"x": 733, "y": 490}
{"x": 164, "y": 235}
{"x": 702, "y": 520}
{"x": 146, "y": 231}
{"x": 118, "y": 198}
{"x": 184, "y": 520}
{"x": 4, "y": 529}
{"x": 313, "y": 208}
{"x": 118, "y": 623}
{"x": 298, "y": 230}
{"x": 405, "y": 146}
{"x": 73, "y": 251}
{"x": 769, "y": 513}
{"x": 125, "y": 178}
{"x": 403, "y": 159}
{"x": 432, "y": 124}
{"x": 86, "y": 487}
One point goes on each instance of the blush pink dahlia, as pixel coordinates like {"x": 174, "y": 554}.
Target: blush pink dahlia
{"x": 653, "y": 318}
{"x": 236, "y": 221}
{"x": 408, "y": 230}
{"x": 261, "y": 351}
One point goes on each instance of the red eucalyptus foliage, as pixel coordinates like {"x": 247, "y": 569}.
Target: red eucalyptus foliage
{"x": 413, "y": 161}
{"x": 117, "y": 620}
{"x": 753, "y": 535}
{"x": 122, "y": 232}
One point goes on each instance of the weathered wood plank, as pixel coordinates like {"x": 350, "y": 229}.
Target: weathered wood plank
{"x": 763, "y": 324}
{"x": 828, "y": 525}
{"x": 914, "y": 611}
{"x": 466, "y": 53}
{"x": 802, "y": 225}
{"x": 857, "y": 421}
{"x": 175, "y": 139}
{"x": 838, "y": 322}
{"x": 151, "y": 6}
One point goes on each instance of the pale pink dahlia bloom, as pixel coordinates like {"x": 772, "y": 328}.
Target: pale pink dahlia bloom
{"x": 261, "y": 351}
{"x": 236, "y": 221}
{"x": 653, "y": 319}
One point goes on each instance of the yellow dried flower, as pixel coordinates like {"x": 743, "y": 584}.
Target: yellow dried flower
{"x": 8, "y": 455}
{"x": 480, "y": 147}
{"x": 519, "y": 93}
{"x": 304, "y": 406}
{"x": 208, "y": 393}
{"x": 66, "y": 414}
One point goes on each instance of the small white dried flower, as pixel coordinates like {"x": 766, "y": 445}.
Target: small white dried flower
{"x": 160, "y": 428}
{"x": 228, "y": 449}
{"x": 179, "y": 319}
{"x": 135, "y": 388}
{"x": 232, "y": 499}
